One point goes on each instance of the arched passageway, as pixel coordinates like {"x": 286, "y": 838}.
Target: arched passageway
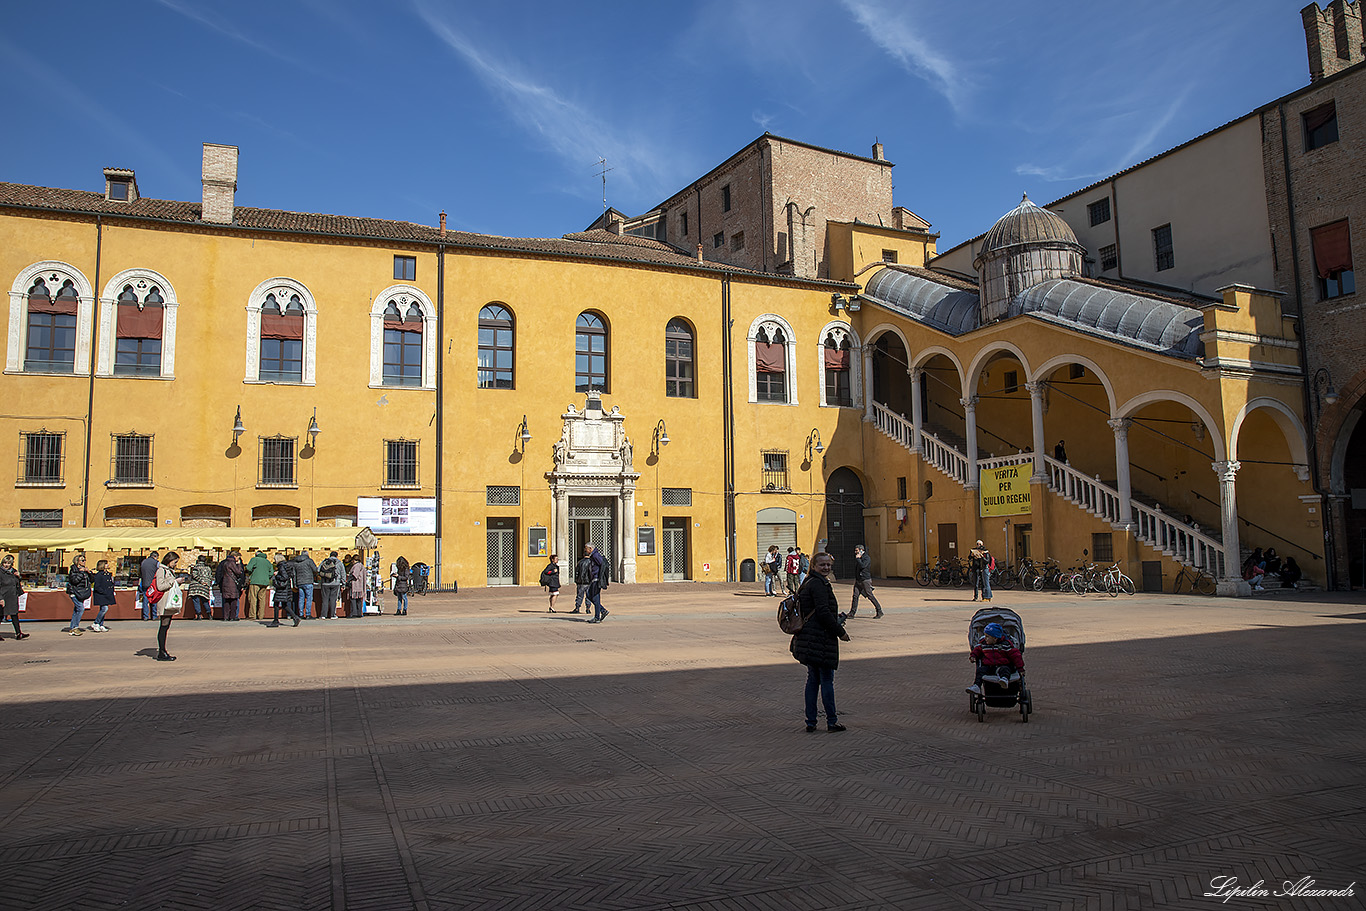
{"x": 843, "y": 519}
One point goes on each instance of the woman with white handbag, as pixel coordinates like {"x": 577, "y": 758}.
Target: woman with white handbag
{"x": 170, "y": 600}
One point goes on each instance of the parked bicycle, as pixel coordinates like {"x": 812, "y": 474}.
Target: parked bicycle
{"x": 1047, "y": 575}
{"x": 1116, "y": 582}
{"x": 1196, "y": 579}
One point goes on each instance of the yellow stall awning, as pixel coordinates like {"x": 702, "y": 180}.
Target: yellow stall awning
{"x": 220, "y": 538}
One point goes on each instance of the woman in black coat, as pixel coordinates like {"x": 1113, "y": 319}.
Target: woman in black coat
{"x": 817, "y": 643}
{"x": 11, "y": 587}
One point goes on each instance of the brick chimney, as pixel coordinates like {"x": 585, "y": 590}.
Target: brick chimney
{"x": 877, "y": 152}
{"x": 1333, "y": 37}
{"x": 220, "y": 183}
{"x": 443, "y": 224}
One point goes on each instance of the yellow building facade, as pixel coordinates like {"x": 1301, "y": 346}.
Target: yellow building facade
{"x": 681, "y": 414}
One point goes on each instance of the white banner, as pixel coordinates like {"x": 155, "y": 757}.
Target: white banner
{"x": 397, "y": 515}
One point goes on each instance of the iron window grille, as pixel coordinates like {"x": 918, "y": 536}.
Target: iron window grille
{"x": 40, "y": 518}
{"x": 400, "y": 463}
{"x": 1109, "y": 257}
{"x": 901, "y": 488}
{"x": 775, "y": 469}
{"x": 1162, "y": 248}
{"x": 737, "y": 241}
{"x": 1099, "y": 211}
{"x": 678, "y": 360}
{"x": 405, "y": 268}
{"x": 502, "y": 496}
{"x": 676, "y": 496}
{"x": 275, "y": 466}
{"x": 40, "y": 458}
{"x": 889, "y": 256}
{"x": 131, "y": 460}
{"x": 1103, "y": 547}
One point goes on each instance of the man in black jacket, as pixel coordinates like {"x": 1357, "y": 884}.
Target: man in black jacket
{"x": 817, "y": 643}
{"x": 863, "y": 581}
{"x": 592, "y": 571}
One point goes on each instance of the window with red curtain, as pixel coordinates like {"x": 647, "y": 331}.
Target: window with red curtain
{"x": 137, "y": 350}
{"x": 770, "y": 364}
{"x": 282, "y": 340}
{"x": 1333, "y": 259}
{"x": 838, "y": 390}
{"x": 51, "y": 328}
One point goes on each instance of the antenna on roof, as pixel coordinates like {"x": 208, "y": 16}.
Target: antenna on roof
{"x": 602, "y": 163}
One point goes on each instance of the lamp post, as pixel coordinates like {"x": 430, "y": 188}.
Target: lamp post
{"x": 814, "y": 447}
{"x": 313, "y": 430}
{"x": 237, "y": 427}
{"x": 1325, "y": 393}
{"x": 661, "y": 438}
{"x": 523, "y": 435}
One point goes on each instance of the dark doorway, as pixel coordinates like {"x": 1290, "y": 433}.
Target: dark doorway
{"x": 948, "y": 541}
{"x": 844, "y": 519}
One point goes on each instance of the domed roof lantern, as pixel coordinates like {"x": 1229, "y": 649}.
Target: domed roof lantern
{"x": 1026, "y": 246}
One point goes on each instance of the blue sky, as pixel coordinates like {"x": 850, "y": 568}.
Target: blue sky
{"x": 498, "y": 112}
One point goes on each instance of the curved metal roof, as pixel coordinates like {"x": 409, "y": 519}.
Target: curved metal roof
{"x": 946, "y": 309}
{"x": 1153, "y": 324}
{"x": 1026, "y": 224}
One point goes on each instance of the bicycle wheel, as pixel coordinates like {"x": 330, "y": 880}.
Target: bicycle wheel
{"x": 1205, "y": 584}
{"x": 1126, "y": 584}
{"x": 1008, "y": 580}
{"x": 923, "y": 577}
{"x": 1112, "y": 588}
{"x": 1078, "y": 584}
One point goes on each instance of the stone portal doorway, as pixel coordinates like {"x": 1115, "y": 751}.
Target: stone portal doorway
{"x": 590, "y": 520}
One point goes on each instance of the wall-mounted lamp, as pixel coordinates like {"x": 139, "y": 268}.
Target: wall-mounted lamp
{"x": 523, "y": 435}
{"x": 814, "y": 447}
{"x": 1328, "y": 395}
{"x": 237, "y": 427}
{"x": 313, "y": 429}
{"x": 844, "y": 303}
{"x": 661, "y": 437}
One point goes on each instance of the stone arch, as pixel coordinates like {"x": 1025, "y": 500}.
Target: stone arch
{"x": 407, "y": 295}
{"x": 282, "y": 285}
{"x": 873, "y": 334}
{"x": 1062, "y": 360}
{"x": 984, "y": 356}
{"x": 925, "y": 354}
{"x": 1290, "y": 424}
{"x": 18, "y": 314}
{"x": 1171, "y": 395}
{"x": 108, "y": 310}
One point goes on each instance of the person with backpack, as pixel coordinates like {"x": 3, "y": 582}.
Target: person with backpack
{"x": 863, "y": 580}
{"x": 981, "y": 563}
{"x": 792, "y": 566}
{"x": 282, "y": 593}
{"x": 772, "y": 566}
{"x": 330, "y": 575}
{"x": 593, "y": 572}
{"x": 550, "y": 581}
{"x": 401, "y": 581}
{"x": 817, "y": 643}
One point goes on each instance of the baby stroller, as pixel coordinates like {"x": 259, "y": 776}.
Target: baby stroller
{"x": 998, "y": 692}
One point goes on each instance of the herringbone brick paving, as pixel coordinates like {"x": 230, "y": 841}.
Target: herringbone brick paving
{"x": 483, "y": 754}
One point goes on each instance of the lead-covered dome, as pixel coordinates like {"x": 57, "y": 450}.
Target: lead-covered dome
{"x": 1026, "y": 246}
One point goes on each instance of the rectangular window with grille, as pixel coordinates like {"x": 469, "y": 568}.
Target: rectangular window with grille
{"x": 1163, "y": 251}
{"x": 277, "y": 462}
{"x": 40, "y": 518}
{"x": 775, "y": 470}
{"x": 901, "y": 488}
{"x": 400, "y": 463}
{"x": 1099, "y": 211}
{"x": 677, "y": 496}
{"x": 503, "y": 496}
{"x": 889, "y": 256}
{"x": 40, "y": 458}
{"x": 1102, "y": 547}
{"x": 132, "y": 460}
{"x": 1109, "y": 257}
{"x": 737, "y": 241}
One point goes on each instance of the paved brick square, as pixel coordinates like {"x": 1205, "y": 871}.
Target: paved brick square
{"x": 482, "y": 753}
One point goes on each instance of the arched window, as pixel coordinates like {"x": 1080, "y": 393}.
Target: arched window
{"x": 591, "y": 356}
{"x": 282, "y": 339}
{"x": 770, "y": 359}
{"x": 496, "y": 348}
{"x": 137, "y": 347}
{"x": 51, "y": 343}
{"x": 679, "y": 371}
{"x": 838, "y": 390}
{"x": 402, "y": 344}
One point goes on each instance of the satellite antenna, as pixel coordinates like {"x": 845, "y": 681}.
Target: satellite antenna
{"x": 602, "y": 163}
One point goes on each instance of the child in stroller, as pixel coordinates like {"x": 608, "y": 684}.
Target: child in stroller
{"x": 997, "y": 657}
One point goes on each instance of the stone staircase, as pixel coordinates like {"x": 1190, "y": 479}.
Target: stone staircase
{"x": 1165, "y": 534}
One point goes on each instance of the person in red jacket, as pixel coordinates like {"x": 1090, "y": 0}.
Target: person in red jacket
{"x": 996, "y": 655}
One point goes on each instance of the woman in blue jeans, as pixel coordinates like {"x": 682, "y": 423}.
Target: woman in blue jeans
{"x": 817, "y": 643}
{"x": 78, "y": 588}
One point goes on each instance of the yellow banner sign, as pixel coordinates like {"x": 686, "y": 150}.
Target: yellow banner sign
{"x": 1005, "y": 491}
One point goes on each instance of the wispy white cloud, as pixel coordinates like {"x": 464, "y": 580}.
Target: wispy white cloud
{"x": 1142, "y": 143}
{"x": 892, "y": 29}
{"x": 576, "y": 134}
{"x": 228, "y": 30}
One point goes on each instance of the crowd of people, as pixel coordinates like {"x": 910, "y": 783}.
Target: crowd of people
{"x": 1263, "y": 566}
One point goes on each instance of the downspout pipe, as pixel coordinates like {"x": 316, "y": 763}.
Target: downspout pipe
{"x": 1329, "y": 558}
{"x": 94, "y": 347}
{"x": 440, "y": 388}
{"x": 728, "y": 435}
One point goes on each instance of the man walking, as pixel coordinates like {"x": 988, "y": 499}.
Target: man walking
{"x": 863, "y": 580}
{"x": 592, "y": 572}
{"x": 259, "y": 571}
{"x": 793, "y": 569}
{"x": 147, "y": 573}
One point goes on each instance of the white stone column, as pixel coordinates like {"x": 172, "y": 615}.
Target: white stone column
{"x": 915, "y": 374}
{"x": 970, "y": 414}
{"x": 1036, "y": 418}
{"x": 561, "y": 521}
{"x": 868, "y": 383}
{"x": 1122, "y": 483}
{"x": 1232, "y": 582}
{"x": 628, "y": 534}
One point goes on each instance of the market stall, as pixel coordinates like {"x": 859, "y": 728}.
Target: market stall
{"x": 43, "y": 555}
